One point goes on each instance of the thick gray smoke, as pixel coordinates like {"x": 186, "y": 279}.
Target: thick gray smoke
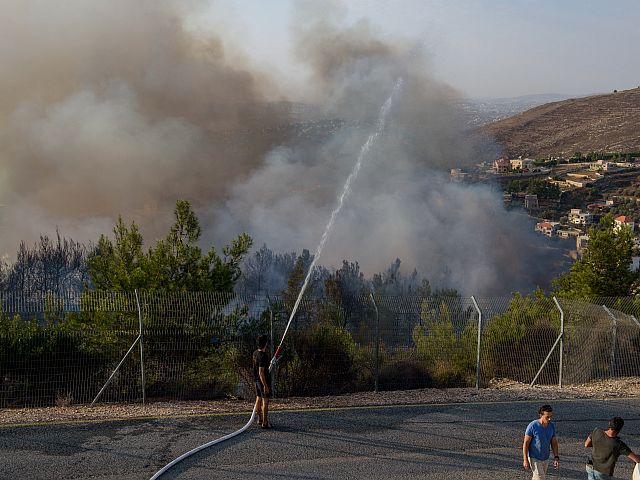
{"x": 402, "y": 204}
{"x": 111, "y": 108}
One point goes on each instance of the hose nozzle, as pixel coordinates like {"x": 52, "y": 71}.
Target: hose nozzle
{"x": 274, "y": 360}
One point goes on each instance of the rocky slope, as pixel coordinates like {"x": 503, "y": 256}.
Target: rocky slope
{"x": 601, "y": 123}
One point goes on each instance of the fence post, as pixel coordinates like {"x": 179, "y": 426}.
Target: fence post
{"x": 141, "y": 337}
{"x": 559, "y": 340}
{"x": 116, "y": 370}
{"x": 614, "y": 341}
{"x": 561, "y": 366}
{"x": 475, "y": 304}
{"x": 376, "y": 347}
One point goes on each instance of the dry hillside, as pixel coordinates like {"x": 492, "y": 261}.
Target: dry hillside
{"x": 601, "y": 123}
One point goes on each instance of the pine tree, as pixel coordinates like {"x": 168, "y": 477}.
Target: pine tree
{"x": 605, "y": 268}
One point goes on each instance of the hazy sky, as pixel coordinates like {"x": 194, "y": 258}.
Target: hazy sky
{"x": 484, "y": 48}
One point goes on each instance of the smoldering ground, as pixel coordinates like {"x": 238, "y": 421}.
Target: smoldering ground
{"x": 111, "y": 108}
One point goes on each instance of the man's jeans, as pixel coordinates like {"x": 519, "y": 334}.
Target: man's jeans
{"x": 595, "y": 475}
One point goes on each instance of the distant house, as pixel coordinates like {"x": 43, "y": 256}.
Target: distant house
{"x": 583, "y": 178}
{"x": 596, "y": 207}
{"x": 502, "y": 165}
{"x": 569, "y": 232}
{"x": 547, "y": 228}
{"x": 578, "y": 217}
{"x": 582, "y": 242}
{"x": 522, "y": 164}
{"x": 457, "y": 174}
{"x": 561, "y": 184}
{"x": 603, "y": 165}
{"x": 621, "y": 221}
{"x": 579, "y": 183}
{"x": 530, "y": 202}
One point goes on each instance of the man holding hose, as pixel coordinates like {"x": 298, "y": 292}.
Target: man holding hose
{"x": 262, "y": 378}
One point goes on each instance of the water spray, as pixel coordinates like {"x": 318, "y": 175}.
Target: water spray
{"x": 384, "y": 111}
{"x": 382, "y": 117}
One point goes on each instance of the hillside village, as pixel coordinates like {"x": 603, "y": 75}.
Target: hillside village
{"x": 568, "y": 196}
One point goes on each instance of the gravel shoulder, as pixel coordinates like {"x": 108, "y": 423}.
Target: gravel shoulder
{"x": 500, "y": 390}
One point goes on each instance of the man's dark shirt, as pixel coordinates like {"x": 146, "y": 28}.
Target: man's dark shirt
{"x": 260, "y": 359}
{"x": 606, "y": 451}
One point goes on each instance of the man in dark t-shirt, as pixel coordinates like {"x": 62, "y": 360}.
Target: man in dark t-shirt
{"x": 606, "y": 448}
{"x": 262, "y": 378}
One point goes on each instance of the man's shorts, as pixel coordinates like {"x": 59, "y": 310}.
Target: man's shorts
{"x": 538, "y": 468}
{"x": 260, "y": 390}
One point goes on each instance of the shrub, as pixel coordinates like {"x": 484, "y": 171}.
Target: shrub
{"x": 321, "y": 362}
{"x": 515, "y": 343}
{"x": 212, "y": 375}
{"x": 404, "y": 374}
{"x": 448, "y": 351}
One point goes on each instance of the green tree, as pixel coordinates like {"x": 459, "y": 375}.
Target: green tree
{"x": 516, "y": 186}
{"x": 445, "y": 339}
{"x": 605, "y": 268}
{"x": 119, "y": 265}
{"x": 515, "y": 343}
{"x": 294, "y": 284}
{"x": 176, "y": 262}
{"x": 543, "y": 189}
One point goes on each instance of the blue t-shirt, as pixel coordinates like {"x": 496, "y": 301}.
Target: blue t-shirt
{"x": 541, "y": 442}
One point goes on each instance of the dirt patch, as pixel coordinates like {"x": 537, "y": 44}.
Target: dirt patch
{"x": 498, "y": 390}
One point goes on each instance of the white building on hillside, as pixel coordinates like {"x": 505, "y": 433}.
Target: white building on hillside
{"x": 547, "y": 228}
{"x": 578, "y": 217}
{"x": 522, "y": 164}
{"x": 603, "y": 165}
{"x": 582, "y": 242}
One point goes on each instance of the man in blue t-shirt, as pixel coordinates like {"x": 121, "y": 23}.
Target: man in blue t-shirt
{"x": 539, "y": 438}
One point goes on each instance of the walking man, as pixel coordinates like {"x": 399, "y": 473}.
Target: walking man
{"x": 539, "y": 438}
{"x": 606, "y": 448}
{"x": 262, "y": 378}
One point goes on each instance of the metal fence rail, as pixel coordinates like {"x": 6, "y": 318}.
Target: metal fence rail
{"x": 133, "y": 346}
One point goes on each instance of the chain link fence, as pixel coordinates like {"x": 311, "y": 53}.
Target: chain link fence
{"x": 122, "y": 347}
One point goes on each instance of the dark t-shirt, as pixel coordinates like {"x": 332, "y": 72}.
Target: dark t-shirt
{"x": 606, "y": 451}
{"x": 260, "y": 359}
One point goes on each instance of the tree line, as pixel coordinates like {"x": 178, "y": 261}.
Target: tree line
{"x": 331, "y": 353}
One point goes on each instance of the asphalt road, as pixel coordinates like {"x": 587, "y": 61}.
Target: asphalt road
{"x": 456, "y": 441}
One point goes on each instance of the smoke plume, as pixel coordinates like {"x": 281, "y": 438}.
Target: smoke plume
{"x": 110, "y": 108}
{"x": 402, "y": 204}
